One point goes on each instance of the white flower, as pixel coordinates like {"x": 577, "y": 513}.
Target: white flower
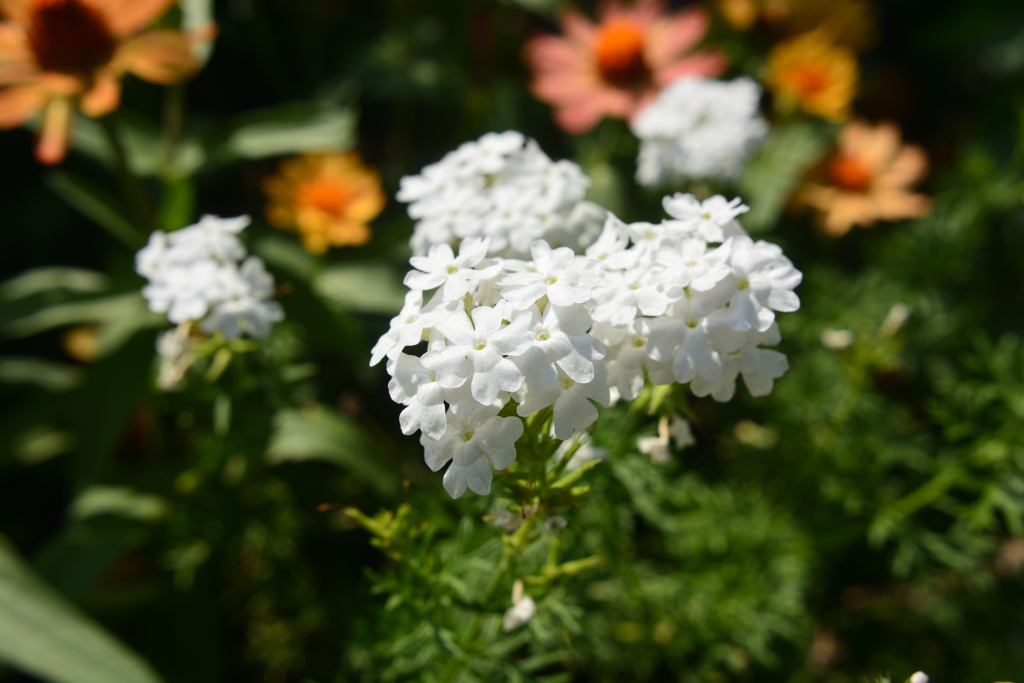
{"x": 682, "y": 433}
{"x": 416, "y": 387}
{"x": 558, "y": 274}
{"x": 406, "y": 329}
{"x": 699, "y": 128}
{"x": 478, "y": 350}
{"x": 570, "y": 401}
{"x": 656, "y": 446}
{"x": 212, "y": 237}
{"x": 837, "y": 340}
{"x": 504, "y": 187}
{"x": 919, "y": 677}
{"x": 692, "y": 265}
{"x": 560, "y": 339}
{"x": 455, "y": 275}
{"x": 522, "y": 610}
{"x": 628, "y": 357}
{"x": 894, "y": 320}
{"x": 759, "y": 367}
{"x": 611, "y": 246}
{"x": 710, "y": 219}
{"x": 638, "y": 290}
{"x": 649, "y": 303}
{"x": 246, "y": 306}
{"x": 473, "y": 445}
{"x": 194, "y": 275}
{"x": 762, "y": 282}
{"x": 174, "y": 347}
{"x": 693, "y": 339}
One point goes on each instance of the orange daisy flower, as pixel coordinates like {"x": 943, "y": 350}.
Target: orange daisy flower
{"x": 54, "y": 53}
{"x": 617, "y": 67}
{"x": 868, "y": 179}
{"x": 812, "y": 72}
{"x": 327, "y": 198}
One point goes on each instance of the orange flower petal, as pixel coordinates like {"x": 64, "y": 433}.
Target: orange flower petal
{"x": 674, "y": 36}
{"x": 708, "y": 64}
{"x": 349, "y": 234}
{"x": 104, "y": 97}
{"x": 11, "y": 74}
{"x": 126, "y": 17}
{"x": 909, "y": 166}
{"x": 18, "y": 104}
{"x": 895, "y": 206}
{"x": 15, "y": 9}
{"x": 56, "y": 130}
{"x": 874, "y": 147}
{"x": 13, "y": 43}
{"x": 162, "y": 57}
{"x": 578, "y": 28}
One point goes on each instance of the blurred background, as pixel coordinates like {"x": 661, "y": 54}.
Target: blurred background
{"x": 865, "y": 519}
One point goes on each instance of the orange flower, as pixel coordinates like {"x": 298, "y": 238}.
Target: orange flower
{"x": 56, "y": 52}
{"x": 617, "y": 67}
{"x": 869, "y": 178}
{"x": 812, "y": 72}
{"x": 327, "y": 198}
{"x": 851, "y": 22}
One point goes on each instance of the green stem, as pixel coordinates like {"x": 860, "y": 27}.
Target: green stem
{"x": 132, "y": 190}
{"x": 173, "y": 123}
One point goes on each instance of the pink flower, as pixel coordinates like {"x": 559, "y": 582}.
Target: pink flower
{"x": 618, "y": 66}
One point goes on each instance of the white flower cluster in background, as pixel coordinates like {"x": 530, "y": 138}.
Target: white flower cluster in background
{"x": 699, "y": 128}
{"x": 201, "y": 274}
{"x": 502, "y": 186}
{"x": 691, "y": 299}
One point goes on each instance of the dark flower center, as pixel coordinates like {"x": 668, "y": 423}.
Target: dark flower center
{"x": 69, "y": 36}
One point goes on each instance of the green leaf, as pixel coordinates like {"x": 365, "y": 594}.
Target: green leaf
{"x": 607, "y": 187}
{"x": 775, "y": 173}
{"x": 322, "y": 434}
{"x": 75, "y": 559}
{"x": 97, "y": 204}
{"x": 47, "y": 280}
{"x": 288, "y": 129}
{"x": 46, "y": 374}
{"x": 346, "y": 285}
{"x": 286, "y": 254}
{"x": 120, "y": 315}
{"x": 44, "y": 635}
{"x": 120, "y": 501}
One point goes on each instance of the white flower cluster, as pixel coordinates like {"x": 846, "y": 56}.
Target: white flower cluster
{"x": 198, "y": 274}
{"x": 699, "y": 128}
{"x": 563, "y": 330}
{"x": 502, "y": 186}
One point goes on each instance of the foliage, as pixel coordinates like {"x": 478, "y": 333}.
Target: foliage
{"x": 267, "y": 520}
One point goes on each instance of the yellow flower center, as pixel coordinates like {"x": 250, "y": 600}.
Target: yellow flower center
{"x": 620, "y": 52}
{"x": 69, "y": 36}
{"x": 849, "y": 173}
{"x": 328, "y": 196}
